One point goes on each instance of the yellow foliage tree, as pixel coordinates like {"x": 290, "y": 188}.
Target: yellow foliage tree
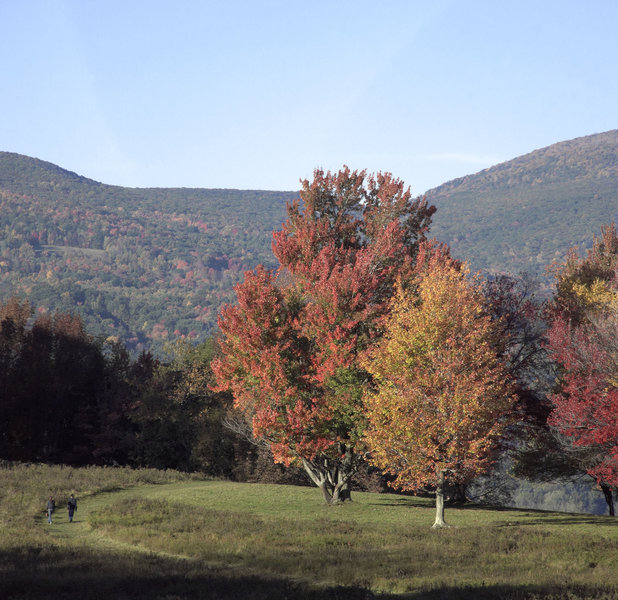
{"x": 442, "y": 397}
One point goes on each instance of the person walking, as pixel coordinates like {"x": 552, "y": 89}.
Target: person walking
{"x": 72, "y": 507}
{"x": 51, "y": 507}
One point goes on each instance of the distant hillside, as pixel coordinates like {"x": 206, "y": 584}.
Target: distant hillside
{"x": 151, "y": 266}
{"x": 522, "y": 214}
{"x": 146, "y": 265}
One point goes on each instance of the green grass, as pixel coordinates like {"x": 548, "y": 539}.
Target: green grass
{"x": 215, "y": 539}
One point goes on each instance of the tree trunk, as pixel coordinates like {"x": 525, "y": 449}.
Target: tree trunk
{"x": 345, "y": 494}
{"x": 332, "y": 476}
{"x": 440, "y": 522}
{"x": 326, "y": 493}
{"x": 609, "y": 498}
{"x": 341, "y": 493}
{"x": 341, "y": 478}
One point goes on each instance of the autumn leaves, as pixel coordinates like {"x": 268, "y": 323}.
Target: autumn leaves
{"x": 583, "y": 341}
{"x": 367, "y": 342}
{"x": 441, "y": 396}
{"x": 371, "y": 343}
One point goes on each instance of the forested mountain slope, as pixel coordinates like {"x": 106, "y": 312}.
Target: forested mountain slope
{"x": 146, "y": 265}
{"x": 522, "y": 214}
{"x": 154, "y": 265}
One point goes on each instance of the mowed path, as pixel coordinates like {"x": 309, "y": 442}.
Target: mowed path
{"x": 80, "y": 532}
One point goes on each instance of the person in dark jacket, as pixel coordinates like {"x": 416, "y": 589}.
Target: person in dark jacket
{"x": 72, "y": 507}
{"x": 51, "y": 507}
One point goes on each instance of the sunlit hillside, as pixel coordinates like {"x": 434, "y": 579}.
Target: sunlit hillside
{"x": 525, "y": 213}
{"x": 155, "y": 265}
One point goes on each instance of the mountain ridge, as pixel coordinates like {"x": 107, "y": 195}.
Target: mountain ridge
{"x": 522, "y": 214}
{"x": 148, "y": 266}
{"x": 153, "y": 265}
{"x": 554, "y": 150}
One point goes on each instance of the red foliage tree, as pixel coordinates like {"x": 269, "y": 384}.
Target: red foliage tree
{"x": 586, "y": 407}
{"x": 292, "y": 344}
{"x": 582, "y": 341}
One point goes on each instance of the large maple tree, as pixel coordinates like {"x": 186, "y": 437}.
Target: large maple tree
{"x": 583, "y": 341}
{"x": 291, "y": 346}
{"x": 443, "y": 394}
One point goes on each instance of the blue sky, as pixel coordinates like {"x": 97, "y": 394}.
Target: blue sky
{"x": 256, "y": 94}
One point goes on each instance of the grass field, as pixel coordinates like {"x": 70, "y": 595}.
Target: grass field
{"x": 146, "y": 534}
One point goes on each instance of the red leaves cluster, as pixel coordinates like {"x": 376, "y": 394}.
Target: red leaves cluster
{"x": 582, "y": 341}
{"x": 586, "y": 405}
{"x": 291, "y": 345}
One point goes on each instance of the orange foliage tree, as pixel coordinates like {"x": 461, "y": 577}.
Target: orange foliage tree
{"x": 443, "y": 397}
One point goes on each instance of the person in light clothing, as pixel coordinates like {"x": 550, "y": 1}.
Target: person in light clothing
{"x": 51, "y": 507}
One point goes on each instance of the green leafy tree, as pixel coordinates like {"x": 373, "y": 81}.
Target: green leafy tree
{"x": 180, "y": 420}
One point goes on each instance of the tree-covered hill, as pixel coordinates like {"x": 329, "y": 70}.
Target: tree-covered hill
{"x": 154, "y": 265}
{"x": 523, "y": 214}
{"x": 146, "y": 265}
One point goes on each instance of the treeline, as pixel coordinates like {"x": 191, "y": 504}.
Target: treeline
{"x": 68, "y": 398}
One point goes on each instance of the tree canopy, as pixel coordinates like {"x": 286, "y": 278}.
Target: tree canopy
{"x": 443, "y": 395}
{"x": 583, "y": 342}
{"x": 292, "y": 345}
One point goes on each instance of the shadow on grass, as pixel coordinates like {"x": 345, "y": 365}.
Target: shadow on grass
{"x": 529, "y": 516}
{"x": 513, "y": 593}
{"x": 534, "y": 519}
{"x": 409, "y": 502}
{"x": 37, "y": 573}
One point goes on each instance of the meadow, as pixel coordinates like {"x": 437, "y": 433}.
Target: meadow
{"x": 167, "y": 535}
